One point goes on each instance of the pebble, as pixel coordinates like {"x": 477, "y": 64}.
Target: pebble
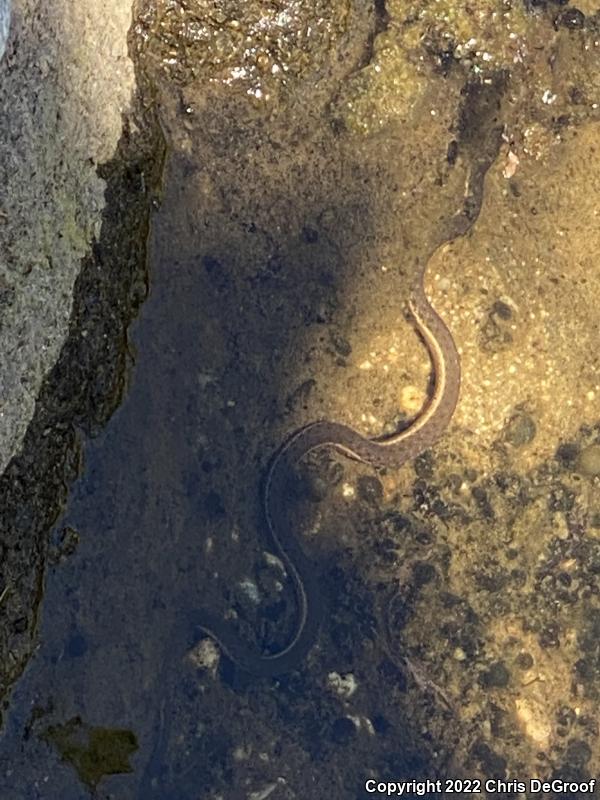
{"x": 520, "y": 430}
{"x": 341, "y": 345}
{"x": 588, "y": 462}
{"x": 344, "y": 685}
{"x": 205, "y": 655}
{"x": 573, "y": 18}
{"x": 250, "y": 589}
{"x": 567, "y": 454}
{"x": 502, "y": 310}
{"x": 370, "y": 488}
{"x": 496, "y": 676}
{"x": 578, "y": 752}
{"x": 524, "y": 660}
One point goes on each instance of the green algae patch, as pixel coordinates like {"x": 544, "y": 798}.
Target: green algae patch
{"x": 94, "y": 753}
{"x": 419, "y": 45}
{"x": 487, "y": 34}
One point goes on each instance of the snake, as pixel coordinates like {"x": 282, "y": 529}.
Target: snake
{"x": 386, "y": 451}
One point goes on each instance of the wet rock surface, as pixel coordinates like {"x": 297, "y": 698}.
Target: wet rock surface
{"x": 65, "y": 82}
{"x": 86, "y": 383}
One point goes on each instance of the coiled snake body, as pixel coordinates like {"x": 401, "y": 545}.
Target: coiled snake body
{"x": 392, "y": 451}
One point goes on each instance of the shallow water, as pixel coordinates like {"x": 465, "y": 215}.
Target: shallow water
{"x": 461, "y": 591}
{"x": 235, "y": 306}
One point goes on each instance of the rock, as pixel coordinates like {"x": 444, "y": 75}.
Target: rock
{"x": 496, "y": 676}
{"x": 588, "y": 463}
{"x": 64, "y": 87}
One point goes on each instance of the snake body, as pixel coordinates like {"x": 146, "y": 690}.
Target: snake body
{"x": 392, "y": 451}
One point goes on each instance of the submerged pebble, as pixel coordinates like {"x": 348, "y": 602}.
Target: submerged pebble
{"x": 520, "y": 430}
{"x": 344, "y": 685}
{"x": 496, "y": 676}
{"x": 370, "y": 488}
{"x": 572, "y": 18}
{"x": 588, "y": 462}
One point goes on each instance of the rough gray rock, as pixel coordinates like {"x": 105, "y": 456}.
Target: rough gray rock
{"x": 65, "y": 80}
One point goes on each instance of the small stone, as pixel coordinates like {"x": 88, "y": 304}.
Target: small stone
{"x": 567, "y": 454}
{"x": 561, "y": 498}
{"x": 524, "y": 661}
{"x": 496, "y": 676}
{"x": 502, "y": 310}
{"x": 452, "y": 152}
{"x": 588, "y": 462}
{"x": 566, "y": 716}
{"x": 549, "y": 636}
{"x": 481, "y": 497}
{"x": 205, "y": 655}
{"x": 494, "y": 335}
{"x": 520, "y": 430}
{"x": 344, "y": 685}
{"x": 564, "y": 578}
{"x": 424, "y": 465}
{"x": 423, "y": 573}
{"x": 341, "y": 345}
{"x": 578, "y": 752}
{"x": 576, "y": 96}
{"x": 518, "y": 577}
{"x": 370, "y": 488}
{"x": 250, "y": 590}
{"x": 573, "y": 18}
